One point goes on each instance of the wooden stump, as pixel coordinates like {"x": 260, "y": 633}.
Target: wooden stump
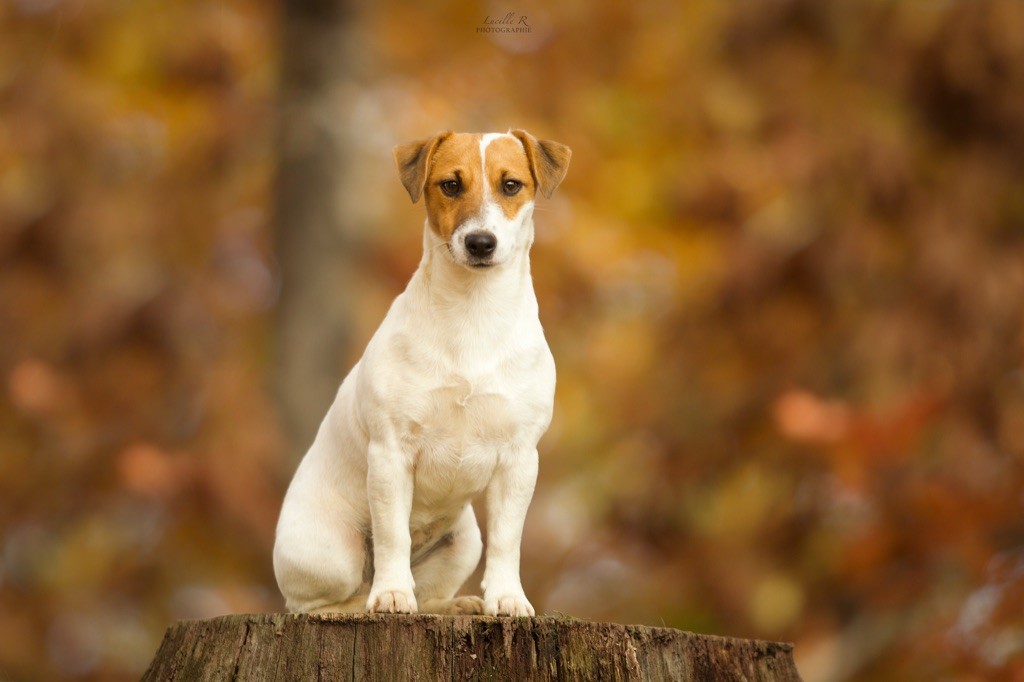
{"x": 423, "y": 647}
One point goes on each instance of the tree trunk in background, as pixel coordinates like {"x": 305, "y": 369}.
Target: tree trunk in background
{"x": 317, "y": 249}
{"x": 384, "y": 647}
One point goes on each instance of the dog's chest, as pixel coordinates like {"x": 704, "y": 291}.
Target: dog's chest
{"x": 458, "y": 428}
{"x": 458, "y": 391}
{"x": 458, "y": 423}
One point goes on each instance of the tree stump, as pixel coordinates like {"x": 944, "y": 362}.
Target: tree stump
{"x": 425, "y": 647}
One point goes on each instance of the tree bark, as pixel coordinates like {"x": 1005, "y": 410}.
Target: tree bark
{"x": 319, "y": 250}
{"x": 422, "y": 647}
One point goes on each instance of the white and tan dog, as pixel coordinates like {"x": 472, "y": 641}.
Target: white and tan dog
{"x": 448, "y": 401}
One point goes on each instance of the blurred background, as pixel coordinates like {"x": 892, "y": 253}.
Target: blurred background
{"x": 783, "y": 282}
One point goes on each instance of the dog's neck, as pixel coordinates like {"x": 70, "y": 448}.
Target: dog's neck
{"x": 486, "y": 297}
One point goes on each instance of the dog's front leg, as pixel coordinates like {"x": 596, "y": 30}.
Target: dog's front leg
{"x": 389, "y": 488}
{"x": 508, "y": 497}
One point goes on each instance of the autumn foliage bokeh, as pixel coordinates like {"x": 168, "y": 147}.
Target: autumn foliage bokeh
{"x": 783, "y": 283}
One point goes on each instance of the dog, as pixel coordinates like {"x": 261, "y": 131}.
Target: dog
{"x": 448, "y": 401}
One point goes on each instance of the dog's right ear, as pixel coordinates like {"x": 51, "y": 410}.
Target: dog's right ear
{"x": 549, "y": 161}
{"x": 413, "y": 160}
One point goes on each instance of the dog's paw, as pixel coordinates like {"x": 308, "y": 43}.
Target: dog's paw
{"x": 468, "y": 605}
{"x": 391, "y": 601}
{"x": 457, "y": 606}
{"x": 509, "y": 605}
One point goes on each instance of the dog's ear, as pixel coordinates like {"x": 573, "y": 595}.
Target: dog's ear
{"x": 549, "y": 161}
{"x": 413, "y": 160}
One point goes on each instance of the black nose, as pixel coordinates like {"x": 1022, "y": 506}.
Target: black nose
{"x": 480, "y": 244}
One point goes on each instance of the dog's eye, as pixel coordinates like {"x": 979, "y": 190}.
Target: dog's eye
{"x": 451, "y": 188}
{"x": 511, "y": 187}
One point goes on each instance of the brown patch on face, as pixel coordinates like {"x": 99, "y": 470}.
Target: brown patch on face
{"x": 456, "y": 158}
{"x": 506, "y": 162}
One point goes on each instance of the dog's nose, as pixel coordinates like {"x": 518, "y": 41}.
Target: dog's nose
{"x": 481, "y": 244}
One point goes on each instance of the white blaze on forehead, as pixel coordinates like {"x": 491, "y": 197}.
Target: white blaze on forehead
{"x": 485, "y": 140}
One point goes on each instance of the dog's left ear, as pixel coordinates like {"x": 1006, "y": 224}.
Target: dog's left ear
{"x": 549, "y": 161}
{"x": 413, "y": 160}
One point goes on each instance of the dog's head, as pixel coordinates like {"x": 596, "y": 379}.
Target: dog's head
{"x": 479, "y": 189}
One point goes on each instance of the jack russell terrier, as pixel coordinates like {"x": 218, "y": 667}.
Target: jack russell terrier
{"x": 449, "y": 400}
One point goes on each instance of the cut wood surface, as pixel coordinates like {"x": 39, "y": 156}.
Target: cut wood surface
{"x": 424, "y": 647}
